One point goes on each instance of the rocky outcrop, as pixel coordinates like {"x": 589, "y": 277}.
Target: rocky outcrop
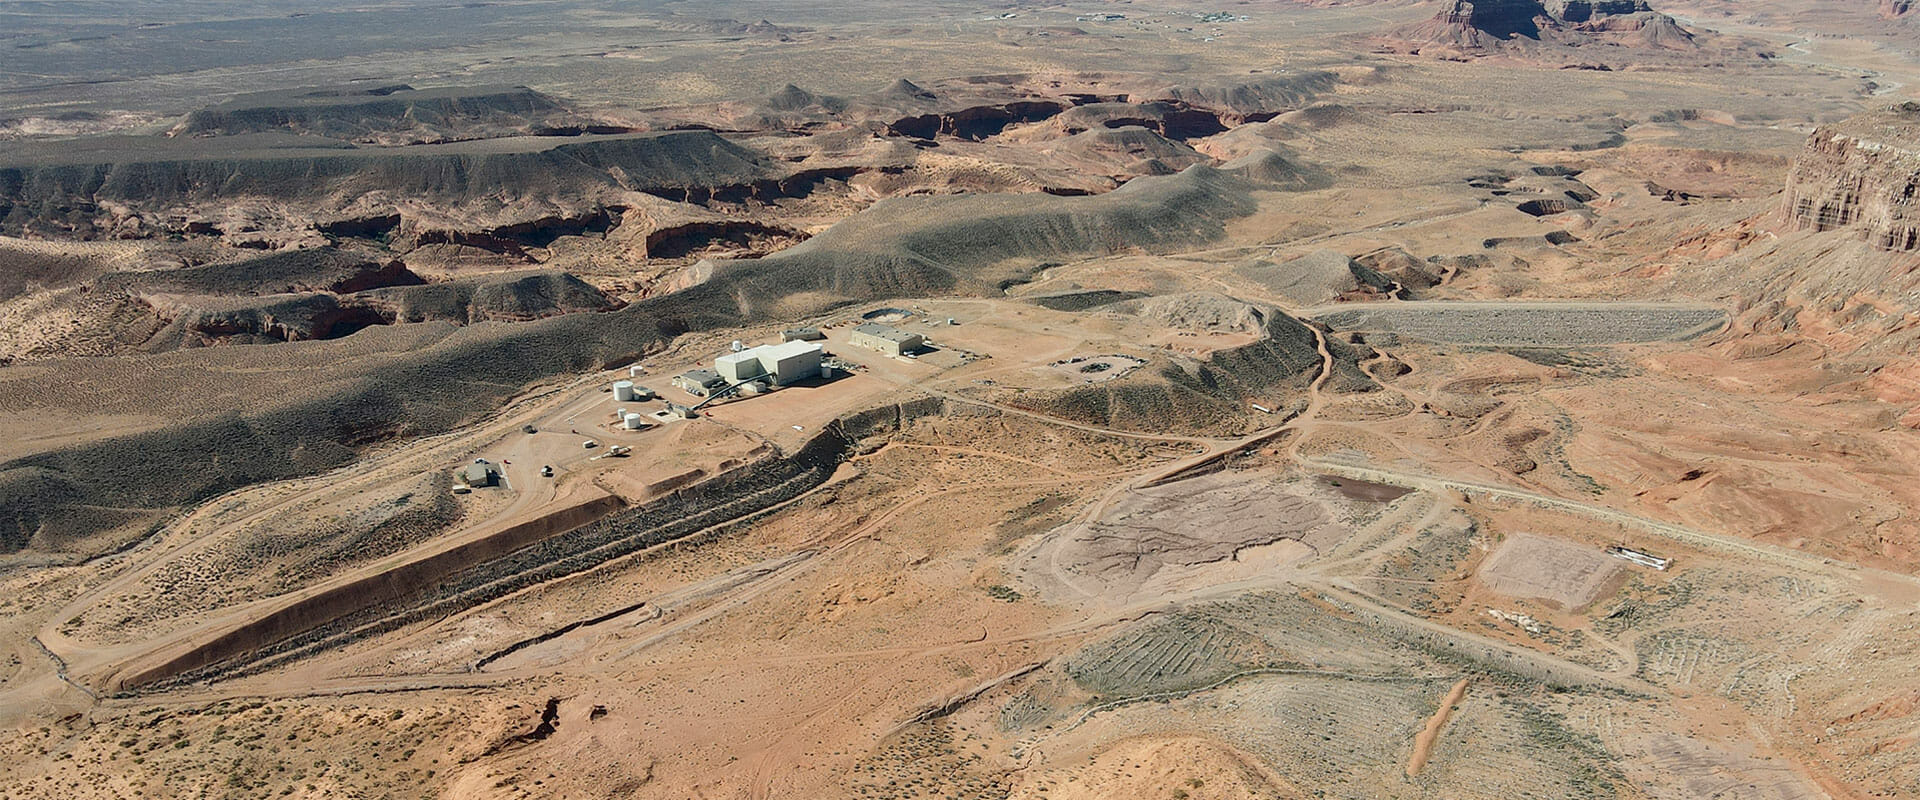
{"x": 144, "y": 186}
{"x": 1480, "y": 23}
{"x": 975, "y": 244}
{"x": 198, "y": 321}
{"x": 1485, "y": 24}
{"x": 974, "y": 122}
{"x": 982, "y": 106}
{"x": 1167, "y": 119}
{"x": 1862, "y": 174}
{"x": 506, "y": 168}
{"x": 1893, "y": 9}
{"x": 323, "y": 269}
{"x": 1108, "y": 149}
{"x": 393, "y": 115}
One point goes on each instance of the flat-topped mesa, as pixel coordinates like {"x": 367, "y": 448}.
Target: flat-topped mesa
{"x": 1474, "y": 23}
{"x": 1864, "y": 174}
{"x": 1484, "y": 24}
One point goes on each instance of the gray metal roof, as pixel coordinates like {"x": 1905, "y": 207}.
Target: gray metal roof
{"x": 887, "y": 332}
{"x": 702, "y": 376}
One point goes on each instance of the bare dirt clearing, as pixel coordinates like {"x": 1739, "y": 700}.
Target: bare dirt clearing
{"x": 1154, "y": 535}
{"x": 1536, "y": 567}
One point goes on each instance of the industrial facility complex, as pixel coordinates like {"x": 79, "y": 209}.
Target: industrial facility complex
{"x": 753, "y": 369}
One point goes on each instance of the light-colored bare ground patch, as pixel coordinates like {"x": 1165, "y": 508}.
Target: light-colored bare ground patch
{"x": 1193, "y": 767}
{"x": 1537, "y": 567}
{"x": 1095, "y": 369}
{"x": 1531, "y": 324}
{"x": 1693, "y": 768}
{"x": 1186, "y": 534}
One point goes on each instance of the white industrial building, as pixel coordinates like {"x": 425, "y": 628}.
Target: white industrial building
{"x": 886, "y": 339}
{"x": 780, "y": 364}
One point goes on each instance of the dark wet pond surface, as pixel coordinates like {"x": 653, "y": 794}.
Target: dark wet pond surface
{"x": 1365, "y": 492}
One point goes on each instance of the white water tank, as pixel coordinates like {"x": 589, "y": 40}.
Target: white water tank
{"x": 635, "y": 422}
{"x": 635, "y": 371}
{"x": 623, "y": 391}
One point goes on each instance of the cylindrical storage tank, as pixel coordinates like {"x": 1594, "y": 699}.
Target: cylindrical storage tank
{"x": 635, "y": 422}
{"x": 619, "y": 413}
{"x": 623, "y": 391}
{"x": 634, "y": 371}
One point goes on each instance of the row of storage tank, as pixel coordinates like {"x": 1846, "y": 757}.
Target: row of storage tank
{"x": 627, "y": 392}
{"x": 631, "y": 420}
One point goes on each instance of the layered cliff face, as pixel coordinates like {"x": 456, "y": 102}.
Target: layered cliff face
{"x": 393, "y": 115}
{"x": 1481, "y": 24}
{"x": 1862, "y": 174}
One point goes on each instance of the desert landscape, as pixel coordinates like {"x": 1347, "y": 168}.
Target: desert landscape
{"x": 723, "y": 399}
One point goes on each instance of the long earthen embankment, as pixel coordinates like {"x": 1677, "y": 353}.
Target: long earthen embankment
{"x": 304, "y": 613}
{"x": 561, "y": 543}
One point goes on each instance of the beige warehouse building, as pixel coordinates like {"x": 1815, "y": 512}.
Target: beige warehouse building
{"x": 886, "y": 339}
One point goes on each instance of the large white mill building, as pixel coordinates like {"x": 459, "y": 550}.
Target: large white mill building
{"x": 779, "y": 364}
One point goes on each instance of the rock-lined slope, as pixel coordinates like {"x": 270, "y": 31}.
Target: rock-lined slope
{"x": 1862, "y": 174}
{"x": 1211, "y": 396}
{"x": 1319, "y": 277}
